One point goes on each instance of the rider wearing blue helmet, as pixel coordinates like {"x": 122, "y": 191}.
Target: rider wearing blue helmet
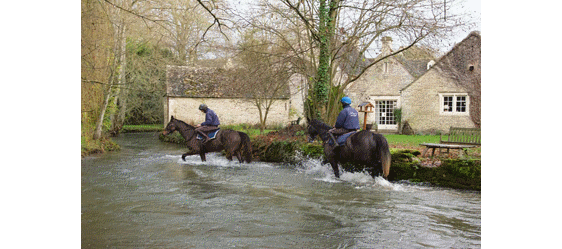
{"x": 348, "y": 119}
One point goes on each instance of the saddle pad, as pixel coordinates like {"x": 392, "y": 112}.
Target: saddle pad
{"x": 341, "y": 139}
{"x": 211, "y": 134}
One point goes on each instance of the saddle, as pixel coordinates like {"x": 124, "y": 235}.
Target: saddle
{"x": 211, "y": 134}
{"x": 341, "y": 139}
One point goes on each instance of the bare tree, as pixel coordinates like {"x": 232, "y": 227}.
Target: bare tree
{"x": 180, "y": 24}
{"x": 333, "y": 28}
{"x": 264, "y": 73}
{"x": 97, "y": 39}
{"x": 118, "y": 21}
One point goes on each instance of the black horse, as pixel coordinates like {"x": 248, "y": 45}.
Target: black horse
{"x": 364, "y": 148}
{"x": 234, "y": 142}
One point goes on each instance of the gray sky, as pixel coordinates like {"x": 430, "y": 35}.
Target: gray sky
{"x": 472, "y": 7}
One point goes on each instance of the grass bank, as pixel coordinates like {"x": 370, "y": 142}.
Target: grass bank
{"x": 143, "y": 128}
{"x": 89, "y": 146}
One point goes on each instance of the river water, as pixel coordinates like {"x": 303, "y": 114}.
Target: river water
{"x": 145, "y": 196}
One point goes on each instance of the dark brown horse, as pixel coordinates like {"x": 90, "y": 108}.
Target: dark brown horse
{"x": 234, "y": 142}
{"x": 363, "y": 148}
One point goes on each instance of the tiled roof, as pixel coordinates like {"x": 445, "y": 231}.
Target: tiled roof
{"x": 466, "y": 51}
{"x": 415, "y": 60}
{"x": 204, "y": 82}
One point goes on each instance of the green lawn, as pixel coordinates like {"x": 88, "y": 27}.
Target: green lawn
{"x": 414, "y": 141}
{"x": 143, "y": 128}
{"x": 410, "y": 140}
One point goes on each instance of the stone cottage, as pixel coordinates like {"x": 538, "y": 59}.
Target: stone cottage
{"x": 382, "y": 83}
{"x": 188, "y": 87}
{"x": 448, "y": 94}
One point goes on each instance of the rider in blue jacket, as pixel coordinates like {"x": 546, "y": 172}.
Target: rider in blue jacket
{"x": 348, "y": 119}
{"x": 211, "y": 122}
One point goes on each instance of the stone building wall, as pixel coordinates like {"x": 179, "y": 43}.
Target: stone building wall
{"x": 230, "y": 111}
{"x": 298, "y": 90}
{"x": 379, "y": 84}
{"x": 422, "y": 105}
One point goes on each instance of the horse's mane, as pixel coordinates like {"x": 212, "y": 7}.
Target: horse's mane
{"x": 184, "y": 124}
{"x": 320, "y": 124}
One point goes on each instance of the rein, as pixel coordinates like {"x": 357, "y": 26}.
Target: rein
{"x": 185, "y": 126}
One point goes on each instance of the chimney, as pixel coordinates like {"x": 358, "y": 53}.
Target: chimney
{"x": 386, "y": 45}
{"x": 430, "y": 64}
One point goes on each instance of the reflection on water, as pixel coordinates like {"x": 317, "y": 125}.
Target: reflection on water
{"x": 145, "y": 196}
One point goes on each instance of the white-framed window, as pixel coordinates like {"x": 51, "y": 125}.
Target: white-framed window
{"x": 384, "y": 111}
{"x": 454, "y": 104}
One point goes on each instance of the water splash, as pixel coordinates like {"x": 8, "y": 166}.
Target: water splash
{"x": 361, "y": 180}
{"x": 315, "y": 168}
{"x": 219, "y": 160}
{"x": 213, "y": 159}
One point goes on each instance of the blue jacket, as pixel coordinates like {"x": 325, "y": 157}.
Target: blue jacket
{"x": 348, "y": 118}
{"x": 211, "y": 118}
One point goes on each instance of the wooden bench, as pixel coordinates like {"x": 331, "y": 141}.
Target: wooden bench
{"x": 458, "y": 139}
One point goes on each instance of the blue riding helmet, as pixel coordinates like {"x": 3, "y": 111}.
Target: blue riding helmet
{"x": 346, "y": 100}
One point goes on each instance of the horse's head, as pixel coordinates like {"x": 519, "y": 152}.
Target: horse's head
{"x": 177, "y": 125}
{"x": 317, "y": 128}
{"x": 312, "y": 132}
{"x": 171, "y": 127}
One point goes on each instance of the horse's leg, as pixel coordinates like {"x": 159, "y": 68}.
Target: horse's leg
{"x": 239, "y": 156}
{"x": 202, "y": 152}
{"x": 189, "y": 153}
{"x": 330, "y": 155}
{"x": 230, "y": 152}
{"x": 334, "y": 164}
{"x": 203, "y": 158}
{"x": 376, "y": 170}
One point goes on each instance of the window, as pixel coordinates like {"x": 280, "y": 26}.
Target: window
{"x": 385, "y": 67}
{"x": 454, "y": 103}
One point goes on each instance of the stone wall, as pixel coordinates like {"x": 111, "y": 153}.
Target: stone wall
{"x": 230, "y": 111}
{"x": 421, "y": 103}
{"x": 379, "y": 84}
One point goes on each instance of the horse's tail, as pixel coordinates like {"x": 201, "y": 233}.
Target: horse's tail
{"x": 382, "y": 153}
{"x": 246, "y": 146}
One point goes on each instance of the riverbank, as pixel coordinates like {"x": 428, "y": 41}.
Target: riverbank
{"x": 90, "y": 146}
{"x": 289, "y": 145}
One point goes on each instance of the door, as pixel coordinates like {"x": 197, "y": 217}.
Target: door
{"x": 385, "y": 114}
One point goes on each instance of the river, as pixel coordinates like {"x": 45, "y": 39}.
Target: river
{"x": 145, "y": 196}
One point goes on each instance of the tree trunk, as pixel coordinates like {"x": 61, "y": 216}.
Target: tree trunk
{"x": 99, "y": 123}
{"x": 120, "y": 101}
{"x": 120, "y": 34}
